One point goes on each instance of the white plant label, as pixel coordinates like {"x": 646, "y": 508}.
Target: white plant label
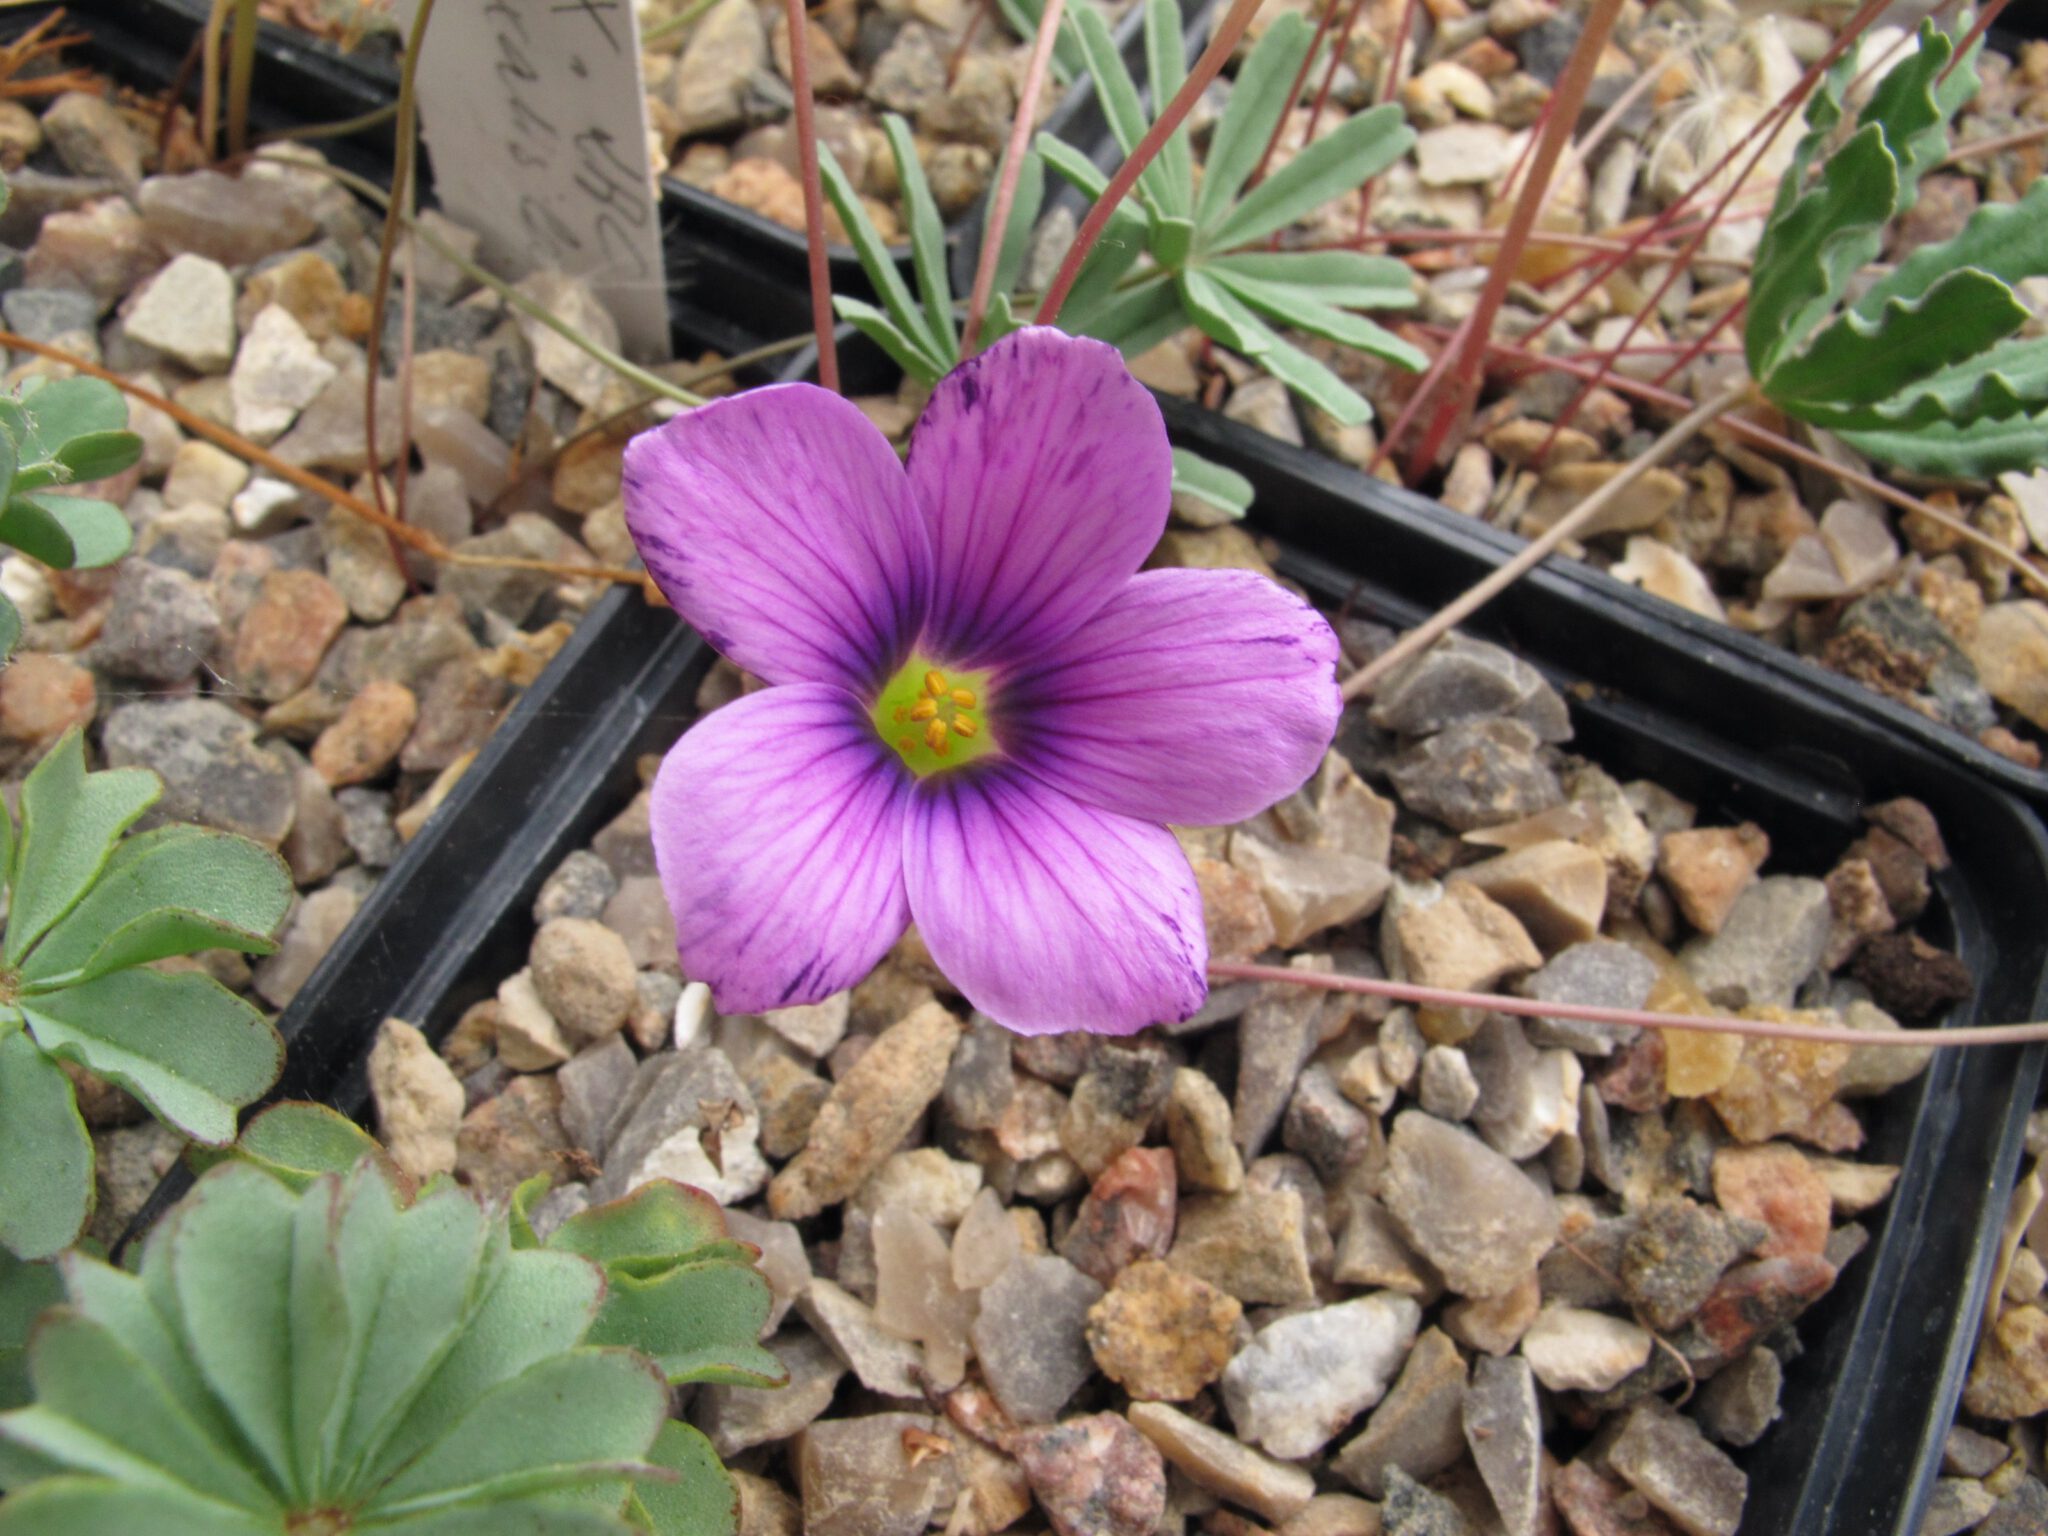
{"x": 535, "y": 118}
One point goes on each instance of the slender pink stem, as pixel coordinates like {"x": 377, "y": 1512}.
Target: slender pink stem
{"x": 1207, "y": 67}
{"x": 1013, "y": 167}
{"x": 1531, "y": 1008}
{"x": 814, "y": 192}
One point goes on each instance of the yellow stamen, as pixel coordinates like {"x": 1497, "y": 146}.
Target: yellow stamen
{"x": 964, "y": 726}
{"x": 935, "y": 736}
{"x": 935, "y": 684}
{"x": 924, "y": 709}
{"x": 964, "y": 697}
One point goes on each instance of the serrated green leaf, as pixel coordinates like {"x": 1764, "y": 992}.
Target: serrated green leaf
{"x": 100, "y": 1409}
{"x": 92, "y": 1506}
{"x": 1903, "y": 107}
{"x": 702, "y": 1501}
{"x": 10, "y": 627}
{"x": 1808, "y": 254}
{"x": 98, "y": 455}
{"x": 903, "y": 350}
{"x": 1121, "y": 103}
{"x": 927, "y": 238}
{"x": 47, "y": 1192}
{"x": 65, "y": 532}
{"x": 70, "y": 823}
{"x": 26, "y": 1289}
{"x": 602, "y": 1408}
{"x": 660, "y": 1220}
{"x": 698, "y": 1321}
{"x": 1166, "y": 66}
{"x": 186, "y": 1046}
{"x": 175, "y": 890}
{"x": 873, "y": 252}
{"x": 1215, "y": 485}
{"x": 2007, "y": 240}
{"x": 1345, "y": 279}
{"x": 1016, "y": 235}
{"x": 1979, "y": 451}
{"x": 2007, "y": 380}
{"x": 1257, "y": 102}
{"x": 1303, "y": 309}
{"x": 1867, "y": 362}
{"x": 1347, "y": 157}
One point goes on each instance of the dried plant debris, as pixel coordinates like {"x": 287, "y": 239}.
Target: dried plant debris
{"x": 1308, "y": 1261}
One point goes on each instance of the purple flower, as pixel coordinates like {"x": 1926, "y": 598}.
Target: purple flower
{"x": 982, "y": 713}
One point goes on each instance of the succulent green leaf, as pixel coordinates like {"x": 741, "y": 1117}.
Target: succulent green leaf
{"x": 1342, "y": 159}
{"x": 1121, "y": 104}
{"x": 1305, "y": 310}
{"x": 97, "y": 455}
{"x": 297, "y": 1142}
{"x": 1809, "y": 253}
{"x": 10, "y": 627}
{"x": 65, "y": 532}
{"x": 1344, "y": 279}
{"x": 2007, "y": 240}
{"x": 100, "y": 1409}
{"x": 182, "y": 1043}
{"x": 525, "y": 1195}
{"x": 47, "y": 1192}
{"x": 25, "y": 1290}
{"x": 927, "y": 238}
{"x": 1257, "y": 103}
{"x": 93, "y": 1506}
{"x": 875, "y": 259}
{"x": 1015, "y": 235}
{"x": 70, "y": 823}
{"x": 121, "y": 1303}
{"x": 534, "y": 1519}
{"x": 702, "y": 1500}
{"x": 1858, "y": 361}
{"x": 175, "y": 890}
{"x": 1214, "y": 485}
{"x": 1947, "y": 450}
{"x": 660, "y": 1220}
{"x": 1166, "y": 66}
{"x": 699, "y": 1321}
{"x": 592, "y": 1402}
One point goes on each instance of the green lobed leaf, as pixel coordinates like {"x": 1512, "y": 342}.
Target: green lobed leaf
{"x": 698, "y": 1321}
{"x": 175, "y": 890}
{"x": 182, "y": 1043}
{"x": 660, "y": 1220}
{"x": 2004, "y": 381}
{"x": 1347, "y": 157}
{"x": 927, "y": 238}
{"x": 2007, "y": 240}
{"x": 1915, "y": 102}
{"x": 1305, "y": 310}
{"x": 296, "y": 1142}
{"x": 1166, "y": 67}
{"x": 70, "y": 823}
{"x": 93, "y": 1506}
{"x": 1215, "y": 485}
{"x": 567, "y": 1419}
{"x": 1257, "y": 103}
{"x": 1858, "y": 361}
{"x": 99, "y": 1409}
{"x": 65, "y": 532}
{"x": 1345, "y": 279}
{"x": 1809, "y": 253}
{"x": 1979, "y": 451}
{"x": 873, "y": 252}
{"x": 47, "y": 1192}
{"x": 702, "y": 1500}
{"x": 25, "y": 1290}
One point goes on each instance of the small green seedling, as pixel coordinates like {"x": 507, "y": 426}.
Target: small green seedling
{"x": 88, "y": 910}
{"x": 340, "y": 1357}
{"x": 1922, "y": 370}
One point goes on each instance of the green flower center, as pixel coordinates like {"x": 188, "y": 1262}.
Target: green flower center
{"x": 935, "y": 720}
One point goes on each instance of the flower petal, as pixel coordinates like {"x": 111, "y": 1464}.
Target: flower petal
{"x": 778, "y": 833}
{"x": 1050, "y": 915}
{"x": 1197, "y": 697}
{"x": 1043, "y": 472}
{"x": 781, "y": 525}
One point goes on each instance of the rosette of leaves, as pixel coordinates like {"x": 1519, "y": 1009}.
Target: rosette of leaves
{"x": 340, "y": 1358}
{"x": 88, "y": 911}
{"x": 61, "y": 432}
{"x": 1922, "y": 369}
